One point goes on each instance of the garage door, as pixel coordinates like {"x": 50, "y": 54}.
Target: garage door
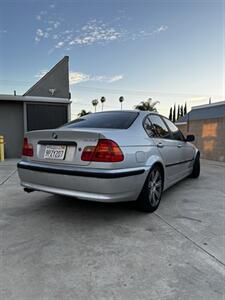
{"x": 46, "y": 116}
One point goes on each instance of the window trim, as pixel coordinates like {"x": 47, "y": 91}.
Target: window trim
{"x": 157, "y": 136}
{"x": 162, "y": 117}
{"x": 146, "y": 117}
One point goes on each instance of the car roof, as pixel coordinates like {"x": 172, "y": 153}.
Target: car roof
{"x": 141, "y": 112}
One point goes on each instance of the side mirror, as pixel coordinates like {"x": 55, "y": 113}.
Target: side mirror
{"x": 190, "y": 138}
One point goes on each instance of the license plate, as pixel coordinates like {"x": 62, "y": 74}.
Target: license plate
{"x": 55, "y": 152}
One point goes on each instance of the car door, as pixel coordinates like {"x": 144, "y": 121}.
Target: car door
{"x": 186, "y": 149}
{"x": 168, "y": 148}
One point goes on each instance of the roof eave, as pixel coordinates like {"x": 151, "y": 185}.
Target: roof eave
{"x": 34, "y": 99}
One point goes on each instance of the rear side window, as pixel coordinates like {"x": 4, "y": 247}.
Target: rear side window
{"x": 149, "y": 128}
{"x": 109, "y": 120}
{"x": 160, "y": 126}
{"x": 177, "y": 135}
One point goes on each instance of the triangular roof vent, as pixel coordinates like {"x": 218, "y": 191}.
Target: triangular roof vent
{"x": 55, "y": 83}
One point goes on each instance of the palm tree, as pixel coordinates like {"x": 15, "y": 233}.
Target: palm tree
{"x": 121, "y": 99}
{"x": 103, "y": 99}
{"x": 147, "y": 105}
{"x": 95, "y": 103}
{"x": 83, "y": 113}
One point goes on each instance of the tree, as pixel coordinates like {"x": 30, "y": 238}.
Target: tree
{"x": 171, "y": 114}
{"x": 83, "y": 113}
{"x": 181, "y": 111}
{"x": 185, "y": 108}
{"x": 174, "y": 113}
{"x": 178, "y": 112}
{"x": 103, "y": 99}
{"x": 95, "y": 103}
{"x": 147, "y": 105}
{"x": 121, "y": 99}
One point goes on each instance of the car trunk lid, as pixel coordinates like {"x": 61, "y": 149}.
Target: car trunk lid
{"x": 61, "y": 145}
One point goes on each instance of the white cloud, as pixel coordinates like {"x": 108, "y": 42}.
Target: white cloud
{"x": 143, "y": 34}
{"x": 41, "y": 73}
{"x": 55, "y": 37}
{"x": 96, "y": 32}
{"x": 116, "y": 78}
{"x": 90, "y": 33}
{"x": 41, "y": 34}
{"x": 161, "y": 28}
{"x": 59, "y": 45}
{"x": 43, "y": 12}
{"x": 67, "y": 31}
{"x": 77, "y": 77}
{"x": 56, "y": 24}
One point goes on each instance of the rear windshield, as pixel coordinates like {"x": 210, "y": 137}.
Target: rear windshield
{"x": 111, "y": 120}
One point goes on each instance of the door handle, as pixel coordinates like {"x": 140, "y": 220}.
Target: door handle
{"x": 179, "y": 146}
{"x": 160, "y": 145}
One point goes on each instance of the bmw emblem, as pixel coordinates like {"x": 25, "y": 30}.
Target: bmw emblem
{"x": 54, "y": 136}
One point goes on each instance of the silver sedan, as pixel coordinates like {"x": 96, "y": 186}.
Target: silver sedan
{"x": 109, "y": 157}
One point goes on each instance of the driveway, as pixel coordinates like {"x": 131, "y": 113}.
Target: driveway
{"x": 61, "y": 248}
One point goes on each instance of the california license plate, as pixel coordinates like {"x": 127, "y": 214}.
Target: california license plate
{"x": 55, "y": 152}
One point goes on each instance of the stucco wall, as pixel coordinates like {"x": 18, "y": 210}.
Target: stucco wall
{"x": 12, "y": 127}
{"x": 209, "y": 137}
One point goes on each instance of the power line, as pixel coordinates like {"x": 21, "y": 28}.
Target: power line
{"x": 12, "y": 82}
{"x": 144, "y": 93}
{"x": 119, "y": 91}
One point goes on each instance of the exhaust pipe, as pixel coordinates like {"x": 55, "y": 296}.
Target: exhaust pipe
{"x": 27, "y": 190}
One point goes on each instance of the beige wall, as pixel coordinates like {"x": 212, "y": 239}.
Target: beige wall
{"x": 209, "y": 137}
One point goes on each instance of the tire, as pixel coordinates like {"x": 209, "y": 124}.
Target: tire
{"x": 150, "y": 196}
{"x": 196, "y": 167}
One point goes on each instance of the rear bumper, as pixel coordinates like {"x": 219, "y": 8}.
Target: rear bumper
{"x": 88, "y": 184}
{"x": 96, "y": 173}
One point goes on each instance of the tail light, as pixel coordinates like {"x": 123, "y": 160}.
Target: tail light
{"x": 27, "y": 148}
{"x": 105, "y": 151}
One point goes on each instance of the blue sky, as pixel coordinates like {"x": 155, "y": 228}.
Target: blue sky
{"x": 171, "y": 51}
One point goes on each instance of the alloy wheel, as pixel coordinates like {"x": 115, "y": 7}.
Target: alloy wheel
{"x": 155, "y": 187}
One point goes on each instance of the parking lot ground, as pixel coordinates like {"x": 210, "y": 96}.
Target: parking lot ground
{"x": 61, "y": 248}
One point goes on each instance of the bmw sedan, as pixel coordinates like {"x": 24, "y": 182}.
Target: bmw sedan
{"x": 109, "y": 156}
